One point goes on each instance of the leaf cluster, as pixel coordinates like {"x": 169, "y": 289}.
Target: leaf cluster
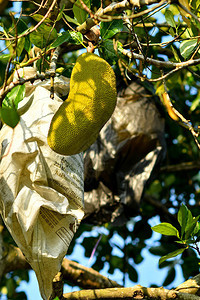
{"x": 188, "y": 235}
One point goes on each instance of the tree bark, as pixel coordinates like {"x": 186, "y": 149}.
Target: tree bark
{"x": 98, "y": 286}
{"x": 136, "y": 292}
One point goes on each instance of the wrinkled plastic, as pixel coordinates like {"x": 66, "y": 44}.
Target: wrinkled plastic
{"x": 125, "y": 157}
{"x": 41, "y": 192}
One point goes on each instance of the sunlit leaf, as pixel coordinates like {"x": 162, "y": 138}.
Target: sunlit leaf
{"x": 79, "y": 12}
{"x": 9, "y": 114}
{"x": 195, "y": 104}
{"x": 188, "y": 47}
{"x": 175, "y": 54}
{"x": 38, "y": 18}
{"x": 20, "y": 46}
{"x": 70, "y": 20}
{"x": 60, "y": 15}
{"x": 166, "y": 229}
{"x": 76, "y": 37}
{"x": 43, "y": 36}
{"x": 191, "y": 228}
{"x": 182, "y": 218}
{"x": 4, "y": 57}
{"x": 170, "y": 255}
{"x": 62, "y": 38}
{"x": 14, "y": 96}
{"x": 170, "y": 18}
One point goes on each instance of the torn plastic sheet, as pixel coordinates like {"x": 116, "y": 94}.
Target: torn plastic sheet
{"x": 41, "y": 192}
{"x": 124, "y": 158}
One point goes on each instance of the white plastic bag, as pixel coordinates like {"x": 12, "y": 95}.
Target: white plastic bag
{"x": 41, "y": 192}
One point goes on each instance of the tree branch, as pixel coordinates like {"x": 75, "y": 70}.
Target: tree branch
{"x": 161, "y": 64}
{"x": 21, "y": 81}
{"x": 191, "y": 286}
{"x": 162, "y": 209}
{"x": 74, "y": 272}
{"x": 105, "y": 14}
{"x": 136, "y": 292}
{"x": 98, "y": 284}
{"x": 85, "y": 277}
{"x": 185, "y": 166}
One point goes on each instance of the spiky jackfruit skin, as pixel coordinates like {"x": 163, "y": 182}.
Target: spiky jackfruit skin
{"x": 90, "y": 103}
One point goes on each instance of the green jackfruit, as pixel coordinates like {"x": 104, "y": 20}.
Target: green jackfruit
{"x": 90, "y": 103}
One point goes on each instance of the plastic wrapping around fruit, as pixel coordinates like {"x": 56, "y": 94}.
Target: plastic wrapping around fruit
{"x": 91, "y": 102}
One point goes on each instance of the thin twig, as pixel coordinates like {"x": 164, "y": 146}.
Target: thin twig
{"x": 107, "y": 14}
{"x": 178, "y": 117}
{"x": 21, "y": 81}
{"x": 185, "y": 166}
{"x": 40, "y": 6}
{"x": 161, "y": 64}
{"x": 37, "y": 25}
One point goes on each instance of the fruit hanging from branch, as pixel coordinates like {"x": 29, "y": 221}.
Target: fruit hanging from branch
{"x": 90, "y": 103}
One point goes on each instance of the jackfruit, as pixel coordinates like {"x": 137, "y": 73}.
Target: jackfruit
{"x": 90, "y": 103}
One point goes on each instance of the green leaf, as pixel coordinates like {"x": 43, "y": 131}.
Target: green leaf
{"x": 14, "y": 96}
{"x": 158, "y": 250}
{"x": 175, "y": 54}
{"x": 9, "y": 116}
{"x": 11, "y": 285}
{"x": 194, "y": 105}
{"x": 108, "y": 52}
{"x": 191, "y": 228}
{"x": 190, "y": 223}
{"x": 170, "y": 18}
{"x": 27, "y": 45}
{"x": 62, "y": 38}
{"x": 170, "y": 276}
{"x": 43, "y": 36}
{"x": 132, "y": 273}
{"x": 172, "y": 31}
{"x": 76, "y": 37}
{"x": 70, "y": 20}
{"x": 5, "y": 57}
{"x": 169, "y": 180}
{"x": 38, "y": 18}
{"x": 60, "y": 15}
{"x": 166, "y": 229}
{"x": 20, "y": 46}
{"x": 188, "y": 47}
{"x": 79, "y": 12}
{"x": 155, "y": 188}
{"x": 171, "y": 254}
{"x": 109, "y": 29}
{"x": 182, "y": 218}
{"x": 196, "y": 229}
{"x": 22, "y": 27}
